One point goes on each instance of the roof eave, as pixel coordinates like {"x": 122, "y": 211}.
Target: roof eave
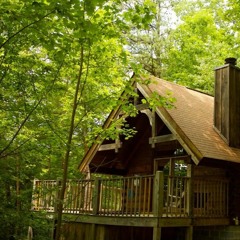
{"x": 89, "y": 155}
{"x": 94, "y": 148}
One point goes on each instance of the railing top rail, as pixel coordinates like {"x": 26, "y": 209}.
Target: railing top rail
{"x": 44, "y": 180}
{"x": 210, "y": 178}
{"x": 183, "y": 177}
{"x": 69, "y": 180}
{"x": 128, "y": 177}
{"x": 103, "y": 179}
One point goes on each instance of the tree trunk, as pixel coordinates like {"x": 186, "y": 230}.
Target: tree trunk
{"x": 68, "y": 150}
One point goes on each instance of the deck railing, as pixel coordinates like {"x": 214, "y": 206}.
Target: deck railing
{"x": 176, "y": 196}
{"x": 44, "y": 195}
{"x": 137, "y": 196}
{"x": 210, "y": 197}
{"x": 131, "y": 196}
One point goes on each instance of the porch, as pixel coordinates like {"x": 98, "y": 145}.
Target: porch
{"x": 158, "y": 199}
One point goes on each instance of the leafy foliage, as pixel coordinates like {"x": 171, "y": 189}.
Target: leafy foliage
{"x": 196, "y": 38}
{"x": 48, "y": 49}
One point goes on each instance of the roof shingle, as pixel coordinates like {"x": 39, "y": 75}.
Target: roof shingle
{"x": 193, "y": 114}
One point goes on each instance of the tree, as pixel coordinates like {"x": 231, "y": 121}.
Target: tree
{"x": 148, "y": 46}
{"x": 62, "y": 66}
{"x": 199, "y": 44}
{"x": 183, "y": 42}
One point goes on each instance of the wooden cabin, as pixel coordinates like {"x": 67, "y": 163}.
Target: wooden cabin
{"x": 176, "y": 178}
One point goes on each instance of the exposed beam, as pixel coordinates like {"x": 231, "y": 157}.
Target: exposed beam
{"x": 149, "y": 114}
{"x": 153, "y": 128}
{"x": 110, "y": 146}
{"x": 161, "y": 139}
{"x": 186, "y": 143}
{"x": 142, "y": 106}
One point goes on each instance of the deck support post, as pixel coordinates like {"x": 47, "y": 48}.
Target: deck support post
{"x": 158, "y": 202}
{"x": 189, "y": 230}
{"x": 157, "y": 233}
{"x": 158, "y": 194}
{"x": 96, "y": 196}
{"x": 189, "y": 233}
{"x": 190, "y": 190}
{"x": 92, "y": 233}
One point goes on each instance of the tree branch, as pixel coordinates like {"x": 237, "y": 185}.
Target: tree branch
{"x": 19, "y": 128}
{"x": 25, "y": 27}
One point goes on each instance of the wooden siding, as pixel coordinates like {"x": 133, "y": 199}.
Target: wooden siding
{"x": 83, "y": 231}
{"x": 206, "y": 172}
{"x": 234, "y": 193}
{"x": 227, "y": 104}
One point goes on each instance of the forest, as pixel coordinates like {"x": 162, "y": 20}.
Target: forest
{"x": 63, "y": 66}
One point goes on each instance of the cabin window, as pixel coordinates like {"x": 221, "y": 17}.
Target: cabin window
{"x": 180, "y": 168}
{"x": 175, "y": 166}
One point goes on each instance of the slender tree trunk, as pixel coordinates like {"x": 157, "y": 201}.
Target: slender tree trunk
{"x": 18, "y": 202}
{"x": 158, "y": 47}
{"x": 18, "y": 185}
{"x": 68, "y": 150}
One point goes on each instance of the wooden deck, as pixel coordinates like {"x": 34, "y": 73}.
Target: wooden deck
{"x": 141, "y": 200}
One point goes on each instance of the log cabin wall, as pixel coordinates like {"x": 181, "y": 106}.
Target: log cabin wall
{"x": 216, "y": 233}
{"x": 234, "y": 206}
{"x": 206, "y": 171}
{"x": 140, "y": 161}
{"x": 87, "y": 231}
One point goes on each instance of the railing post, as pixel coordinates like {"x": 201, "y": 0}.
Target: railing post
{"x": 96, "y": 196}
{"x": 190, "y": 193}
{"x": 158, "y": 194}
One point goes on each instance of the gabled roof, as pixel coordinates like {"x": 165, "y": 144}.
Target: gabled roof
{"x": 191, "y": 121}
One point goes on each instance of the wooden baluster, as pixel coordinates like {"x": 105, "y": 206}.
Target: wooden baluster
{"x": 150, "y": 184}
{"x": 135, "y": 186}
{"x": 124, "y": 196}
{"x": 108, "y": 196}
{"x": 144, "y": 196}
{"x": 131, "y": 196}
{"x": 140, "y": 196}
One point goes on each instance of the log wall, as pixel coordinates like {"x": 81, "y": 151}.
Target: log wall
{"x": 80, "y": 231}
{"x": 84, "y": 231}
{"x": 142, "y": 160}
{"x": 234, "y": 192}
{"x": 217, "y": 233}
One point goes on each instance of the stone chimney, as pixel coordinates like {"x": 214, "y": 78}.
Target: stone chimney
{"x": 227, "y": 102}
